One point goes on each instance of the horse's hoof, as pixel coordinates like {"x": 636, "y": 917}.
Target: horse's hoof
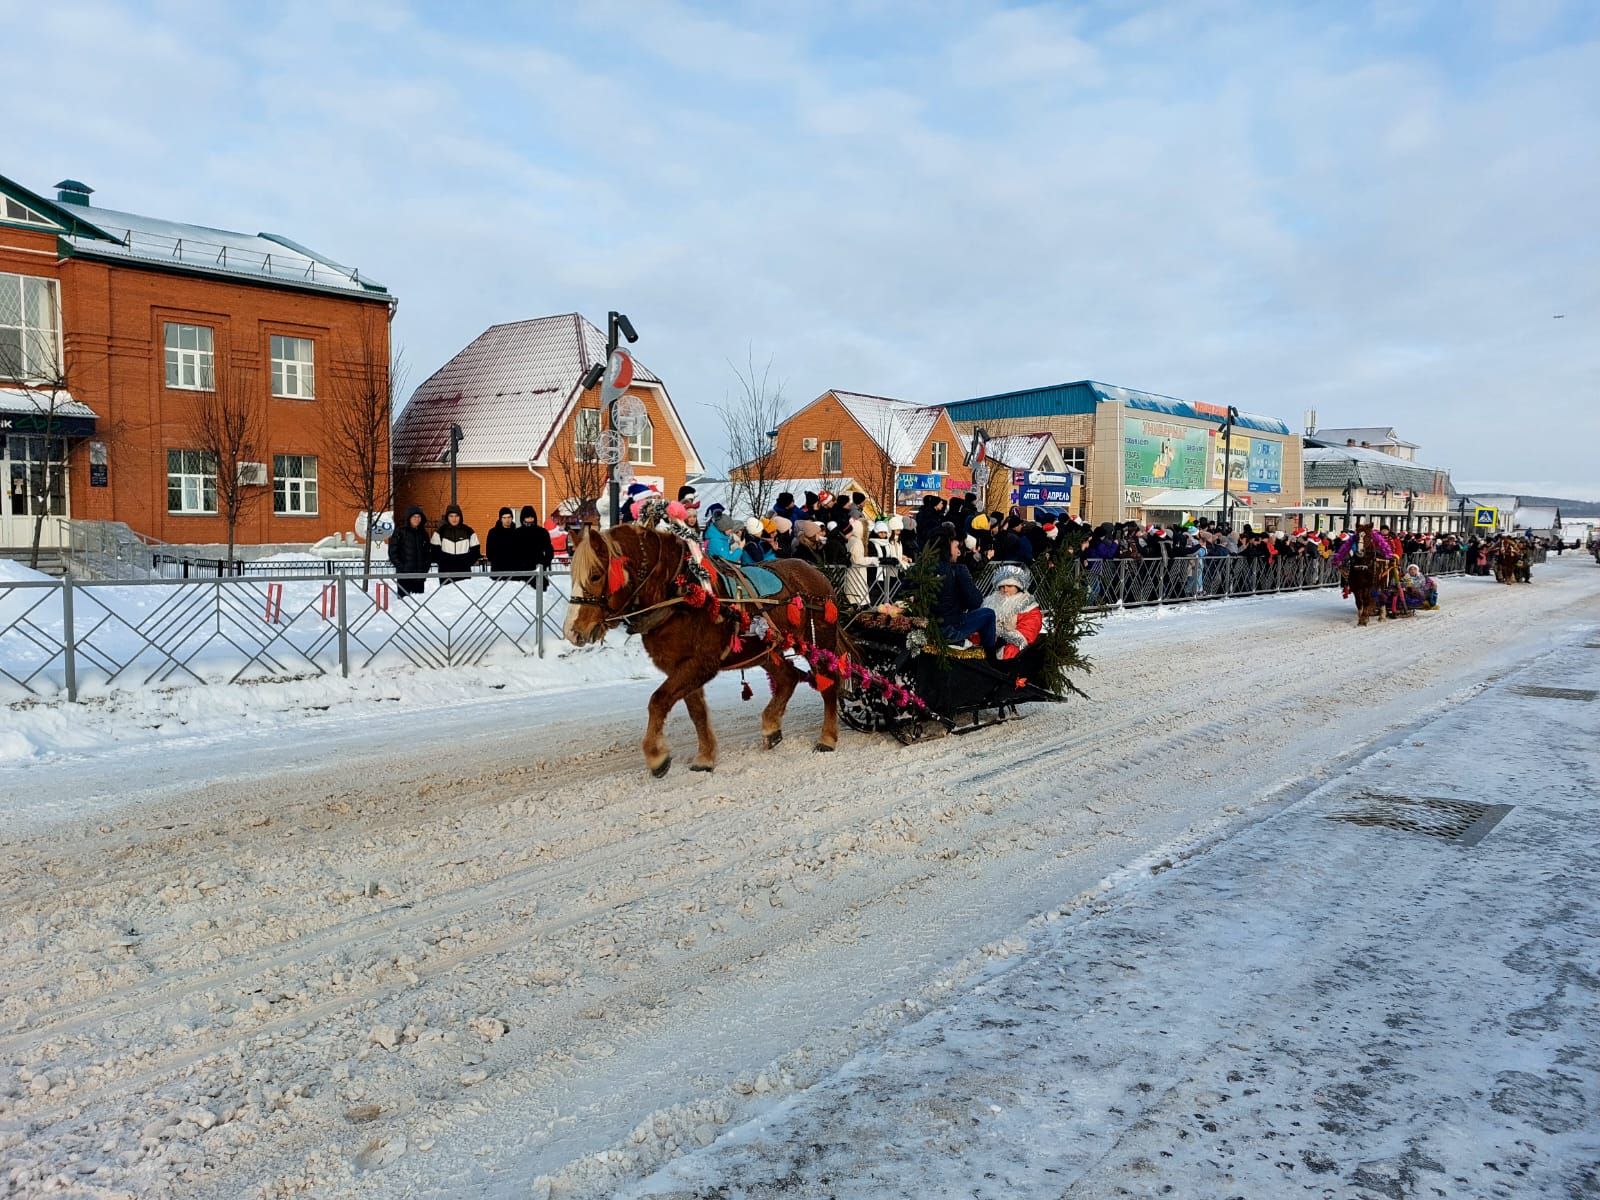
{"x": 706, "y": 767}
{"x": 823, "y": 748}
{"x": 661, "y": 771}
{"x": 774, "y": 738}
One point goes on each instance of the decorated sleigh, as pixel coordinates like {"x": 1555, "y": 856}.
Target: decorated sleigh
{"x": 907, "y": 685}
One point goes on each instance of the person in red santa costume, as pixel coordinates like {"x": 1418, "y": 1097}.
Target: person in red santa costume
{"x": 1018, "y": 620}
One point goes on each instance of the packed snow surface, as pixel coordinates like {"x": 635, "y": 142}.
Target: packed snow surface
{"x": 473, "y": 950}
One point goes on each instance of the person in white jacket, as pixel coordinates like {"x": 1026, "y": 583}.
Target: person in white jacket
{"x": 857, "y": 580}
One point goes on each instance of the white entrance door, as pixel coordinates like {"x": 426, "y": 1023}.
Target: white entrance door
{"x": 27, "y": 493}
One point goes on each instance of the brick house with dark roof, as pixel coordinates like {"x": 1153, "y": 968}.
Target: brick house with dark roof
{"x": 528, "y": 425}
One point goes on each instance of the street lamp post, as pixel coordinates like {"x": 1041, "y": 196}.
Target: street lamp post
{"x": 1227, "y": 467}
{"x": 456, "y": 437}
{"x": 1349, "y": 504}
{"x": 617, "y": 327}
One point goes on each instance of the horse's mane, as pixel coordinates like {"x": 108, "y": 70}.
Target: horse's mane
{"x": 584, "y": 555}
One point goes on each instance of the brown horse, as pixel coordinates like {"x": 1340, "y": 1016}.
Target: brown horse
{"x": 1361, "y": 578}
{"x": 638, "y": 577}
{"x": 1510, "y": 562}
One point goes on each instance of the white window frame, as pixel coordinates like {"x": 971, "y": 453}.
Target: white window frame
{"x": 1075, "y": 457}
{"x": 642, "y": 444}
{"x": 587, "y": 422}
{"x": 293, "y": 377}
{"x": 832, "y": 453}
{"x": 294, "y": 487}
{"x": 939, "y": 457}
{"x": 34, "y": 340}
{"x": 195, "y": 480}
{"x": 190, "y": 368}
{"x": 21, "y": 214}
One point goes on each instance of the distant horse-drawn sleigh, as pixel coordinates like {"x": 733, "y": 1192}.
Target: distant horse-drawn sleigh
{"x": 1371, "y": 570}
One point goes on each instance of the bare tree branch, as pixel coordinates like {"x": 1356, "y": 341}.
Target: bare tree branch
{"x": 751, "y": 417}
{"x": 582, "y": 474}
{"x": 226, "y": 426}
{"x": 358, "y": 420}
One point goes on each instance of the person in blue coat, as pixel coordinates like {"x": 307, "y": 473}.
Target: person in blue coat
{"x": 718, "y": 526}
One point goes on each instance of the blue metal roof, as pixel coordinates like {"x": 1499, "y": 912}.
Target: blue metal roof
{"x": 1067, "y": 399}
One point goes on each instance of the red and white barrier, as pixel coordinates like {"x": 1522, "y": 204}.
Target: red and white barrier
{"x": 380, "y": 596}
{"x": 329, "y": 601}
{"x": 274, "y": 612}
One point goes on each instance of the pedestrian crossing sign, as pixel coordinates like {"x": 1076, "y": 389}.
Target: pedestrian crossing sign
{"x": 1485, "y": 518}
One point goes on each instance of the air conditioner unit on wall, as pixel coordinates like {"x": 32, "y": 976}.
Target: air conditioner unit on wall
{"x": 808, "y": 443}
{"x": 253, "y": 474}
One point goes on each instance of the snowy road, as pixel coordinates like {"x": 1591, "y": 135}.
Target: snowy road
{"x": 386, "y": 953}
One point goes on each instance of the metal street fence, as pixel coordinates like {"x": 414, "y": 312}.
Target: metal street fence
{"x": 66, "y": 637}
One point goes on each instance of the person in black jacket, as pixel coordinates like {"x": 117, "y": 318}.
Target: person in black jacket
{"x": 410, "y": 551}
{"x": 534, "y": 548}
{"x": 500, "y": 547}
{"x": 455, "y": 546}
{"x": 959, "y": 609}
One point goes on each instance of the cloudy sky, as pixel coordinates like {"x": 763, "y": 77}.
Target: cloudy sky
{"x": 1374, "y": 209}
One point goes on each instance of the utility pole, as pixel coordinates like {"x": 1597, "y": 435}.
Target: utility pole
{"x": 455, "y": 445}
{"x": 1349, "y": 503}
{"x": 1227, "y": 467}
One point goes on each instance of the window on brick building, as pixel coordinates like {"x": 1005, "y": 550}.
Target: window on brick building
{"x": 832, "y": 458}
{"x": 294, "y": 370}
{"x": 940, "y": 455}
{"x": 30, "y": 328}
{"x": 190, "y": 360}
{"x": 585, "y": 432}
{"x": 294, "y": 484}
{"x": 642, "y": 445}
{"x": 1076, "y": 457}
{"x": 191, "y": 482}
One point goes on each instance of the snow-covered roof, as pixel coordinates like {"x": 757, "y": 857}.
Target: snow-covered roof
{"x": 263, "y": 256}
{"x": 1334, "y": 466}
{"x": 25, "y": 402}
{"x": 899, "y": 427}
{"x": 510, "y": 390}
{"x": 1018, "y": 451}
{"x": 1377, "y": 435}
{"x": 1526, "y": 517}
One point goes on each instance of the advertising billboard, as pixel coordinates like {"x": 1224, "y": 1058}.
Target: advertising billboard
{"x": 1264, "y": 472}
{"x": 1163, "y": 454}
{"x": 1238, "y": 461}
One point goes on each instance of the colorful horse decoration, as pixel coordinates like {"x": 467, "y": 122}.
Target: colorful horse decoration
{"x": 652, "y": 582}
{"x": 1367, "y": 567}
{"x": 1513, "y": 561}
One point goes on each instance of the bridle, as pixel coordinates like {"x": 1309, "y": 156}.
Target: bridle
{"x": 617, "y": 564}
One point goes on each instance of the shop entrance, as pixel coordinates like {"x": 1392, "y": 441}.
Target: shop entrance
{"x": 32, "y": 486}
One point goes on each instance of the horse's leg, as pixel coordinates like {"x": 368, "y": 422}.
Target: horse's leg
{"x": 784, "y": 680}
{"x": 657, "y": 751}
{"x": 695, "y": 702}
{"x": 830, "y": 715}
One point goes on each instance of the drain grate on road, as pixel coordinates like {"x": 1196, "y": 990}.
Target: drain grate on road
{"x": 1464, "y": 822}
{"x": 1555, "y": 693}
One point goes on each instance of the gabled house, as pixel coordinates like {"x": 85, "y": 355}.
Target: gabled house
{"x": 1015, "y": 455}
{"x": 1367, "y": 437}
{"x": 529, "y": 428}
{"x": 894, "y": 451}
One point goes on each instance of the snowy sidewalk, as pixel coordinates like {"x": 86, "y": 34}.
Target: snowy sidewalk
{"x": 1310, "y": 1008}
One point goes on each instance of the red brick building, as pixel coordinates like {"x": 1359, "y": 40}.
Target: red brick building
{"x": 114, "y": 326}
{"x": 529, "y": 427}
{"x": 893, "y": 451}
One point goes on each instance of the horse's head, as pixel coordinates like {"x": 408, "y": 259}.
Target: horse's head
{"x": 600, "y": 581}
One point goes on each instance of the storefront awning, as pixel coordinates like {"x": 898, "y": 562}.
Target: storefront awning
{"x": 28, "y": 410}
{"x": 1192, "y": 500}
